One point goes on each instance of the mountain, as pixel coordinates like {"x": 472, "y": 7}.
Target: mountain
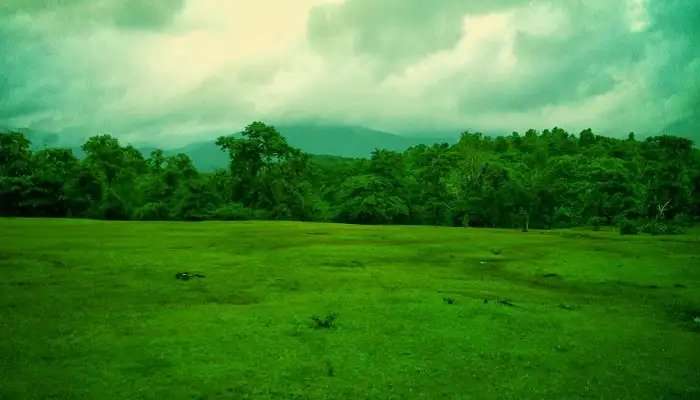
{"x": 39, "y": 139}
{"x": 344, "y": 141}
{"x": 332, "y": 140}
{"x": 206, "y": 156}
{"x": 347, "y": 141}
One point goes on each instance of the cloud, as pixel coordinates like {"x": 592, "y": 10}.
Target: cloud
{"x": 82, "y": 14}
{"x": 171, "y": 71}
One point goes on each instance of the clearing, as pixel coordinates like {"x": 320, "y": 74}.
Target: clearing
{"x": 93, "y": 310}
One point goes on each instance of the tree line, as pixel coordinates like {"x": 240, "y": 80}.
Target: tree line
{"x": 546, "y": 179}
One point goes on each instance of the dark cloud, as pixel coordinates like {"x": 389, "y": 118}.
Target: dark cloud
{"x": 396, "y": 32}
{"x": 80, "y": 67}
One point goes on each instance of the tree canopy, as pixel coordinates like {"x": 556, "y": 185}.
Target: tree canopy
{"x": 549, "y": 179}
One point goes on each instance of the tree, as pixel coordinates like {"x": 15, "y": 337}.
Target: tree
{"x": 52, "y": 175}
{"x": 545, "y": 179}
{"x": 105, "y": 156}
{"x": 368, "y": 199}
{"x": 266, "y": 172}
{"x": 668, "y": 175}
{"x": 433, "y": 199}
{"x": 586, "y": 138}
{"x": 15, "y": 156}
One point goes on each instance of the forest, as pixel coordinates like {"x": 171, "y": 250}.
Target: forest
{"x": 539, "y": 179}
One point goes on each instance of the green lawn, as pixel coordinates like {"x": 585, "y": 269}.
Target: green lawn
{"x": 92, "y": 310}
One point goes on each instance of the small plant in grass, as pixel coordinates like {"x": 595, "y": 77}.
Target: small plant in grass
{"x": 448, "y": 300}
{"x": 328, "y": 322}
{"x": 330, "y": 371}
{"x": 496, "y": 251}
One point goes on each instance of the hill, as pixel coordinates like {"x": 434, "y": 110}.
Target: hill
{"x": 344, "y": 141}
{"x": 334, "y": 140}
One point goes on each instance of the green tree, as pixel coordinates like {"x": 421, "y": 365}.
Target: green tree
{"x": 267, "y": 173}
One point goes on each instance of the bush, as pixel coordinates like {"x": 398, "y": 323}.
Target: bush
{"x": 661, "y": 228}
{"x": 233, "y": 212}
{"x": 596, "y": 222}
{"x": 154, "y": 211}
{"x": 324, "y": 323}
{"x": 682, "y": 220}
{"x": 565, "y": 217}
{"x": 261, "y": 214}
{"x": 628, "y": 227}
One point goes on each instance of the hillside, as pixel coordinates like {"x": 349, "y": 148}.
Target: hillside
{"x": 335, "y": 140}
{"x": 344, "y": 141}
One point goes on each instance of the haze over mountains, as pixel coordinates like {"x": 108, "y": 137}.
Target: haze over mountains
{"x": 344, "y": 141}
{"x": 335, "y": 140}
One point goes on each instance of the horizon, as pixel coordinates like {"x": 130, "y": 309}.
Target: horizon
{"x": 434, "y": 138}
{"x": 176, "y": 72}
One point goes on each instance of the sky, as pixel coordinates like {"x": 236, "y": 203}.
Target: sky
{"x": 174, "y": 71}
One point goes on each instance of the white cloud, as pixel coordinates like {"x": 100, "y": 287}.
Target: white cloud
{"x": 637, "y": 15}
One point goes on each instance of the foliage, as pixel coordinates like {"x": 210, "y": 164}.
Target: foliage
{"x": 547, "y": 179}
{"x": 326, "y": 322}
{"x": 628, "y": 227}
{"x": 232, "y": 212}
{"x": 152, "y": 211}
{"x": 661, "y": 228}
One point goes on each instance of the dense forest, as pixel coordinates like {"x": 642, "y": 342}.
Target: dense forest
{"x": 546, "y": 179}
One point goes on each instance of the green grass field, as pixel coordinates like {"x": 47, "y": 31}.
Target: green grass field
{"x": 92, "y": 310}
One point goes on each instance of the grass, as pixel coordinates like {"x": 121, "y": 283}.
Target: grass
{"x": 92, "y": 310}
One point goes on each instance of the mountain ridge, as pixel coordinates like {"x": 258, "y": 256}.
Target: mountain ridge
{"x": 332, "y": 140}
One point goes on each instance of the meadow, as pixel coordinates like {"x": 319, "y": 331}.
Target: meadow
{"x": 291, "y": 310}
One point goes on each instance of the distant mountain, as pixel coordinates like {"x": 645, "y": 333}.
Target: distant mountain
{"x": 348, "y": 141}
{"x": 206, "y": 156}
{"x": 38, "y": 139}
{"x": 332, "y": 140}
{"x": 344, "y": 141}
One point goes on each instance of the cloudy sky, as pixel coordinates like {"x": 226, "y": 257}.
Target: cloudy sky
{"x": 172, "y": 71}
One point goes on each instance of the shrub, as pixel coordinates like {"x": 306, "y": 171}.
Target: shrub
{"x": 233, "y": 212}
{"x": 324, "y": 323}
{"x": 661, "y": 228}
{"x": 682, "y": 220}
{"x": 596, "y": 222}
{"x": 152, "y": 211}
{"x": 259, "y": 213}
{"x": 628, "y": 227}
{"x": 565, "y": 217}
